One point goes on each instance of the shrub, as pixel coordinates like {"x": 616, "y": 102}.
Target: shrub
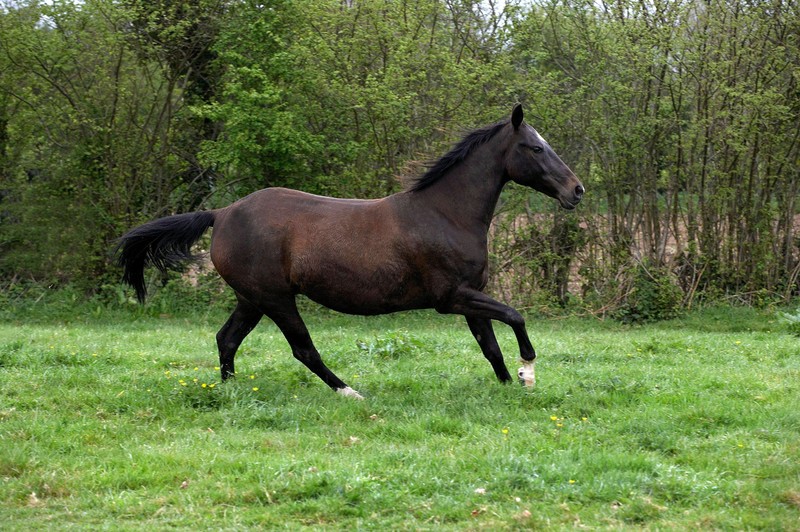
{"x": 653, "y": 296}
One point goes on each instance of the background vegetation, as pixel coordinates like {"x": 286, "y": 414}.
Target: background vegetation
{"x": 682, "y": 118}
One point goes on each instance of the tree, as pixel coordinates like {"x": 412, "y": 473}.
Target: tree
{"x": 92, "y": 137}
{"x": 339, "y": 98}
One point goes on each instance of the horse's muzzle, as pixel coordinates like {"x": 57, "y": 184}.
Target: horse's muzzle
{"x": 570, "y": 202}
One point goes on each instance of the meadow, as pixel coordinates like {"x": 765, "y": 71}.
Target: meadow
{"x": 117, "y": 419}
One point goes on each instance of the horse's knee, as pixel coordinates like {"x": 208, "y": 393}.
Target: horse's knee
{"x": 514, "y": 318}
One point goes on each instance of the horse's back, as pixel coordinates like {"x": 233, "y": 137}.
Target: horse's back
{"x": 344, "y": 253}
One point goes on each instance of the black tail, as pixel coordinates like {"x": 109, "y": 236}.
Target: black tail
{"x": 164, "y": 243}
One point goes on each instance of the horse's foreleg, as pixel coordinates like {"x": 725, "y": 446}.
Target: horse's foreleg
{"x": 482, "y": 331}
{"x": 474, "y": 304}
{"x": 294, "y": 329}
{"x": 243, "y": 320}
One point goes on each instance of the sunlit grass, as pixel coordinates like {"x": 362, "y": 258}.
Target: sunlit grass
{"x": 123, "y": 422}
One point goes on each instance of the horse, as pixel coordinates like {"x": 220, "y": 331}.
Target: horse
{"x": 425, "y": 247}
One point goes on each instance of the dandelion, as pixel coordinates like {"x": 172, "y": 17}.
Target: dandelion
{"x": 738, "y": 342}
{"x": 584, "y": 418}
{"x": 252, "y": 377}
{"x": 196, "y": 368}
{"x": 553, "y": 418}
{"x": 255, "y": 388}
{"x": 571, "y": 481}
{"x": 212, "y": 385}
{"x": 204, "y": 385}
{"x": 505, "y": 431}
{"x": 559, "y": 425}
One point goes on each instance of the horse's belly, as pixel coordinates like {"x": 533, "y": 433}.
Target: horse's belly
{"x": 367, "y": 291}
{"x": 361, "y": 306}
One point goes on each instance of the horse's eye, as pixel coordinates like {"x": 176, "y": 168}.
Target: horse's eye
{"x": 534, "y": 149}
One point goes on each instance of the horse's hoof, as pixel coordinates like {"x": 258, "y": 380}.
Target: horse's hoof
{"x": 349, "y": 392}
{"x": 527, "y": 375}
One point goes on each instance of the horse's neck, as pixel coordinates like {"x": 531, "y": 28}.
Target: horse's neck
{"x": 469, "y": 191}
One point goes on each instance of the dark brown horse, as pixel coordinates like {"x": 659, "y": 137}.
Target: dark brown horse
{"x": 425, "y": 247}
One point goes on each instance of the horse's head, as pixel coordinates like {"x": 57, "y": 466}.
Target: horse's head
{"x": 530, "y": 161}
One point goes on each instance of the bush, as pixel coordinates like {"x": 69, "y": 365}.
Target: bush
{"x": 654, "y": 296}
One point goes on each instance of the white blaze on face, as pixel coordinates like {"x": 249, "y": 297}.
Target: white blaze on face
{"x": 349, "y": 392}
{"x": 527, "y": 374}
{"x": 539, "y": 137}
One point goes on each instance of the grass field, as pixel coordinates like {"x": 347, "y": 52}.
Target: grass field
{"x": 118, "y": 421}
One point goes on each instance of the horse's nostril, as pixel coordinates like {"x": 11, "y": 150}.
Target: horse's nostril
{"x": 579, "y": 190}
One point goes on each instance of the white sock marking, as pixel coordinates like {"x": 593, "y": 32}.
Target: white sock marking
{"x": 527, "y": 374}
{"x": 349, "y": 392}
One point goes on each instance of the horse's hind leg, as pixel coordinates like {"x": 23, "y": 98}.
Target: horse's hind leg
{"x": 243, "y": 320}
{"x": 288, "y": 320}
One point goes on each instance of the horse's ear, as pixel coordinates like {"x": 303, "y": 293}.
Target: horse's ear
{"x": 516, "y": 116}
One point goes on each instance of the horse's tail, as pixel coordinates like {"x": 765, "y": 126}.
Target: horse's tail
{"x": 164, "y": 243}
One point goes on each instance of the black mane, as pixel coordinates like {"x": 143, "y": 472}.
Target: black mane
{"x": 459, "y": 152}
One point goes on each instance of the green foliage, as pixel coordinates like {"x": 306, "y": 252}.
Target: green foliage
{"x": 93, "y": 139}
{"x": 679, "y": 117}
{"x": 653, "y": 296}
{"x": 204, "y": 293}
{"x": 339, "y": 101}
{"x": 792, "y": 321}
{"x": 396, "y": 344}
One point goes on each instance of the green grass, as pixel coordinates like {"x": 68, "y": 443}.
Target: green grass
{"x": 105, "y": 422}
